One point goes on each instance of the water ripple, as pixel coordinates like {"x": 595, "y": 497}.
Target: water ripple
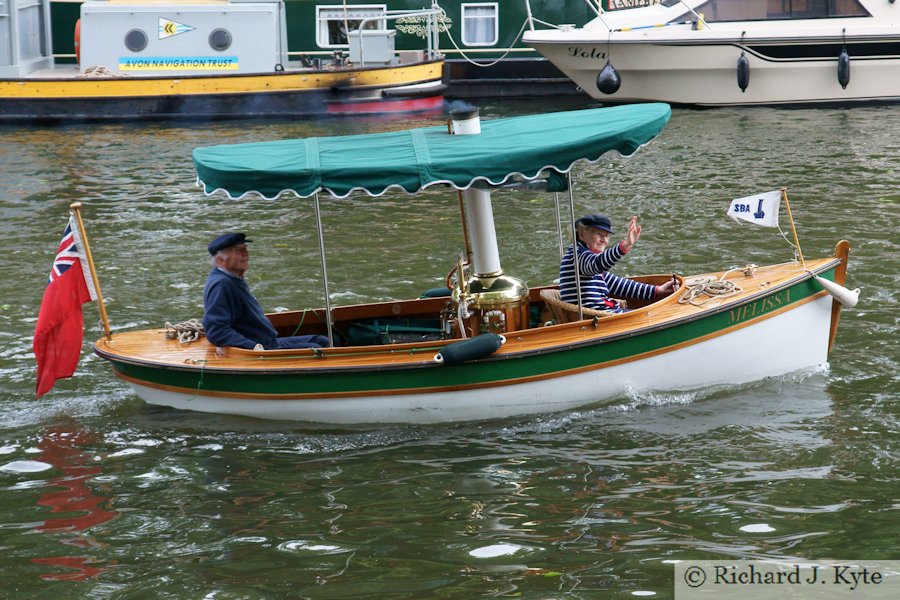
{"x": 585, "y": 504}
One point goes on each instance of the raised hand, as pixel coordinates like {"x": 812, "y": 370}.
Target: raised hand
{"x": 633, "y": 235}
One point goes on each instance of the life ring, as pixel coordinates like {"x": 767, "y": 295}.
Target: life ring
{"x": 78, "y": 41}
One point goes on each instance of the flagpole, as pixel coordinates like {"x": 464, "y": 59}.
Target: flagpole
{"x": 793, "y": 228}
{"x": 75, "y": 206}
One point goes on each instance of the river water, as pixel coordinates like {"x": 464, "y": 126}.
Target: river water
{"x": 104, "y": 496}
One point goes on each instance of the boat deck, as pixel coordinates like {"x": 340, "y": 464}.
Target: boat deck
{"x": 150, "y": 347}
{"x": 56, "y": 72}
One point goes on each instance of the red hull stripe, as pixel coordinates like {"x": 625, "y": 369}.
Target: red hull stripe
{"x": 383, "y": 106}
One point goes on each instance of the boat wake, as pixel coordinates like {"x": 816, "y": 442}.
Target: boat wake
{"x": 656, "y": 398}
{"x": 777, "y": 384}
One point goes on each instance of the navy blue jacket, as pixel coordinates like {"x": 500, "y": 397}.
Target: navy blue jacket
{"x": 233, "y": 315}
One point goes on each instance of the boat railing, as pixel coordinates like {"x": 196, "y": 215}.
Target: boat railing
{"x": 432, "y": 29}
{"x": 597, "y": 7}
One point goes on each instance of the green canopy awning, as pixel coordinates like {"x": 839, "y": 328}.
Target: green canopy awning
{"x": 528, "y": 147}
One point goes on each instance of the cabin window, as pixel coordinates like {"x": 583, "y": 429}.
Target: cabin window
{"x": 761, "y": 10}
{"x": 480, "y": 24}
{"x": 333, "y": 22}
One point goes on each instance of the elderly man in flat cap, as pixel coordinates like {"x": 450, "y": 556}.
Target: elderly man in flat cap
{"x": 595, "y": 259}
{"x": 233, "y": 315}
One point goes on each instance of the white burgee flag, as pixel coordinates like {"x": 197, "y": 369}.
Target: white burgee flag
{"x": 759, "y": 209}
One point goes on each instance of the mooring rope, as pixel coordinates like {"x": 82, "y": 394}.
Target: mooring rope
{"x": 185, "y": 332}
{"x": 303, "y": 318}
{"x": 100, "y": 71}
{"x": 493, "y": 62}
{"x": 709, "y": 287}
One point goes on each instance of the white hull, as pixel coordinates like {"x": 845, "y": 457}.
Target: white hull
{"x": 771, "y": 346}
{"x": 706, "y": 75}
{"x": 791, "y": 61}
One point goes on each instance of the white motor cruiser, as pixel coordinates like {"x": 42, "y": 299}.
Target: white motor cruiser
{"x": 732, "y": 52}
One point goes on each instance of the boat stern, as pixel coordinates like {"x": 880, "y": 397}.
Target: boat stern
{"x": 842, "y": 252}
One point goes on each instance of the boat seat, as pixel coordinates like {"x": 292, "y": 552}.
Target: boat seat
{"x": 565, "y": 312}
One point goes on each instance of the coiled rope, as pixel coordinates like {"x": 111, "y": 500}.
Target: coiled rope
{"x": 185, "y": 332}
{"x": 710, "y": 287}
{"x": 100, "y": 71}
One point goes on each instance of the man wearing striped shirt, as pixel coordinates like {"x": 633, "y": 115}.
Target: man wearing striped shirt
{"x": 595, "y": 259}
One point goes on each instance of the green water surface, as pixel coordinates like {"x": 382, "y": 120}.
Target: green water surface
{"x": 102, "y": 496}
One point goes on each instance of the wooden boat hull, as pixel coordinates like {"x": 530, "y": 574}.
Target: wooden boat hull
{"x": 404, "y": 88}
{"x": 782, "y": 321}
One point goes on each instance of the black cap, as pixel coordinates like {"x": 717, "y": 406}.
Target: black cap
{"x": 463, "y": 114}
{"x": 226, "y": 240}
{"x": 601, "y": 222}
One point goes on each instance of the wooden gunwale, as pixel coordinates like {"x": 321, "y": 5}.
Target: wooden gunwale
{"x": 463, "y": 387}
{"x": 520, "y": 344}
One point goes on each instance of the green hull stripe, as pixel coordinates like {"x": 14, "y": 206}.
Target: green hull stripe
{"x": 476, "y": 373}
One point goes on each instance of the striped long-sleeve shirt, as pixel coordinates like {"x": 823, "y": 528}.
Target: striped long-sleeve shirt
{"x": 597, "y": 283}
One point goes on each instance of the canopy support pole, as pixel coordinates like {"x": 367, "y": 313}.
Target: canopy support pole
{"x": 324, "y": 271}
{"x": 462, "y": 215}
{"x": 465, "y": 229}
{"x": 574, "y": 245}
{"x": 559, "y": 233}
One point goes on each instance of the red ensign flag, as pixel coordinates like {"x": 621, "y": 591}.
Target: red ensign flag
{"x": 60, "y": 326}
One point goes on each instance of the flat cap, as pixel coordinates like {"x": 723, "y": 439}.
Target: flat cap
{"x": 226, "y": 240}
{"x": 601, "y": 222}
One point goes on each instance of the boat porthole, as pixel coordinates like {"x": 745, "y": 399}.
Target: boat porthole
{"x": 135, "y": 40}
{"x": 220, "y": 39}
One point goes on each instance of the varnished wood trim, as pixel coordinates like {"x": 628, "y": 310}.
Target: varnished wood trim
{"x": 456, "y": 388}
{"x": 654, "y": 326}
{"x": 841, "y": 251}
